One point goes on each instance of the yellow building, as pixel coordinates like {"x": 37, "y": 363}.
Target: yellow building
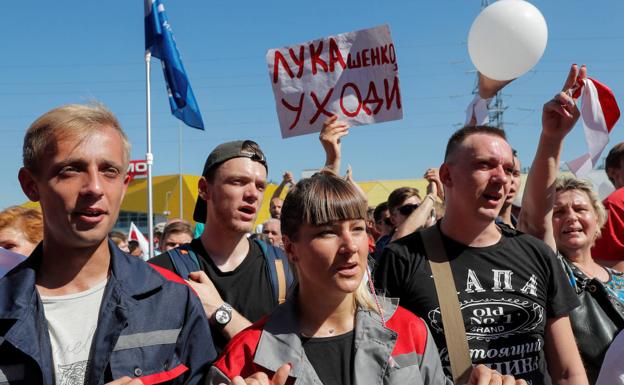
{"x": 166, "y": 195}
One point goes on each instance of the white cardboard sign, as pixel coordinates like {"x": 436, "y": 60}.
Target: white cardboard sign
{"x": 354, "y": 75}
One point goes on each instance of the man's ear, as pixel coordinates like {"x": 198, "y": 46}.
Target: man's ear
{"x": 202, "y": 188}
{"x": 289, "y": 248}
{"x": 611, "y": 174}
{"x": 445, "y": 175}
{"x": 29, "y": 184}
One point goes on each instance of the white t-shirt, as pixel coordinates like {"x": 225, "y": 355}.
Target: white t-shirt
{"x": 72, "y": 320}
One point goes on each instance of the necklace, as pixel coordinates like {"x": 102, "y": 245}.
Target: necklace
{"x": 330, "y": 332}
{"x": 592, "y": 274}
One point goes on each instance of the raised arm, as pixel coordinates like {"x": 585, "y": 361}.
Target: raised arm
{"x": 287, "y": 179}
{"x": 333, "y": 130}
{"x": 476, "y": 113}
{"x": 559, "y": 115}
{"x": 418, "y": 218}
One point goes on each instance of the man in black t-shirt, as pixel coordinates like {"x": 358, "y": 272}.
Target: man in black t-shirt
{"x": 513, "y": 295}
{"x": 237, "y": 279}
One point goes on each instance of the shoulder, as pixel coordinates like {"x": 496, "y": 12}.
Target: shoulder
{"x": 412, "y": 332}
{"x": 239, "y": 352}
{"x": 517, "y": 239}
{"x": 410, "y": 245}
{"x": 615, "y": 198}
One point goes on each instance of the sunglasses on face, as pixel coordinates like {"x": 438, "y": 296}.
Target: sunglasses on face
{"x": 408, "y": 208}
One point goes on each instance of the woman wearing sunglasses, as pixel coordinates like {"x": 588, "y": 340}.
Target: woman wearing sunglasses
{"x": 332, "y": 330}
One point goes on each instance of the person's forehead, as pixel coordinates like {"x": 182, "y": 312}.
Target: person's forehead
{"x": 482, "y": 144}
{"x": 103, "y": 143}
{"x": 180, "y": 235}
{"x": 571, "y": 197}
{"x": 271, "y": 226}
{"x": 242, "y": 166}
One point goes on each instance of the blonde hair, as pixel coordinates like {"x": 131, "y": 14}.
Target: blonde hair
{"x": 321, "y": 199}
{"x": 566, "y": 183}
{"x": 27, "y": 221}
{"x": 72, "y": 119}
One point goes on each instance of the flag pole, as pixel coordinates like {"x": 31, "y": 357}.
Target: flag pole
{"x": 149, "y": 158}
{"x": 181, "y": 213}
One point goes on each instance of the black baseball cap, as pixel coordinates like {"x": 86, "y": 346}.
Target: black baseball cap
{"x": 221, "y": 154}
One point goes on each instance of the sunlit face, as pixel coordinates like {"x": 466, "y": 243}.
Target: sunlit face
{"x": 575, "y": 223}
{"x": 173, "y": 240}
{"x": 80, "y": 187}
{"x": 235, "y": 195}
{"x": 330, "y": 259}
{"x": 14, "y": 239}
{"x": 397, "y": 217}
{"x": 478, "y": 177}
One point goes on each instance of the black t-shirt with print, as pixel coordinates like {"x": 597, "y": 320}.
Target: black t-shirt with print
{"x": 247, "y": 288}
{"x": 507, "y": 291}
{"x": 331, "y": 357}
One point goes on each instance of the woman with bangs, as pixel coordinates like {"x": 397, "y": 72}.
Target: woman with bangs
{"x": 332, "y": 329}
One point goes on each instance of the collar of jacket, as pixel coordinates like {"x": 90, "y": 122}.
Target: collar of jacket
{"x": 18, "y": 293}
{"x": 130, "y": 279}
{"x": 280, "y": 343}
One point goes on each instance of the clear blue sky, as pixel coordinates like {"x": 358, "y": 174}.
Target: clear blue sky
{"x": 76, "y": 51}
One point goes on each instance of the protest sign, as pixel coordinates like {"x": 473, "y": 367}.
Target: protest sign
{"x": 354, "y": 75}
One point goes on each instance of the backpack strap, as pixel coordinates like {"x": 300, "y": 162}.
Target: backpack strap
{"x": 452, "y": 319}
{"x": 184, "y": 260}
{"x": 279, "y": 270}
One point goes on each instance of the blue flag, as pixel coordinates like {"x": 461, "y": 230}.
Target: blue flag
{"x": 160, "y": 42}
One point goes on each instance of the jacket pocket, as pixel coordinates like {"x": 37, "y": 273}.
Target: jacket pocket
{"x": 150, "y": 356}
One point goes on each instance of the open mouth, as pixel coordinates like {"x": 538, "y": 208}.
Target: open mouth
{"x": 573, "y": 231}
{"x": 90, "y": 214}
{"x": 248, "y": 210}
{"x": 349, "y": 269}
{"x": 492, "y": 197}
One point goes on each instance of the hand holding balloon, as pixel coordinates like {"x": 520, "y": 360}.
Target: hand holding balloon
{"x": 507, "y": 39}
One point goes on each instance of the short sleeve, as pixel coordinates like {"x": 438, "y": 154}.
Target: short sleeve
{"x": 561, "y": 297}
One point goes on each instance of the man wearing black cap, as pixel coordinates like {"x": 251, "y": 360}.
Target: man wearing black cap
{"x": 242, "y": 279}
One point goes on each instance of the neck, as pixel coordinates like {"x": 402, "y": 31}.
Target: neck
{"x": 325, "y": 316}
{"x": 505, "y": 215}
{"x": 226, "y": 249}
{"x": 579, "y": 256}
{"x": 476, "y": 233}
{"x": 71, "y": 270}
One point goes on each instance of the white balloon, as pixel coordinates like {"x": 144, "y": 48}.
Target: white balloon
{"x": 507, "y": 39}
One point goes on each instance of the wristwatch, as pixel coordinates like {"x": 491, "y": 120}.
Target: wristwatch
{"x": 223, "y": 315}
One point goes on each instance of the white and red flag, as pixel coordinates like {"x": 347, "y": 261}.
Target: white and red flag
{"x": 134, "y": 234}
{"x": 599, "y": 112}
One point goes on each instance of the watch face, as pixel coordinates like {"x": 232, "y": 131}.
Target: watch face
{"x": 222, "y": 317}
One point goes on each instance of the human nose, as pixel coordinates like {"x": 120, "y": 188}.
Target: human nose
{"x": 92, "y": 183}
{"x": 252, "y": 193}
{"x": 348, "y": 243}
{"x": 500, "y": 174}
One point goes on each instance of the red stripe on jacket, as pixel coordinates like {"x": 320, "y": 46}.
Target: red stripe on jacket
{"x": 412, "y": 332}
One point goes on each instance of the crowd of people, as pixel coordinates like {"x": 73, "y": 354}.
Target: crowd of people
{"x": 458, "y": 284}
